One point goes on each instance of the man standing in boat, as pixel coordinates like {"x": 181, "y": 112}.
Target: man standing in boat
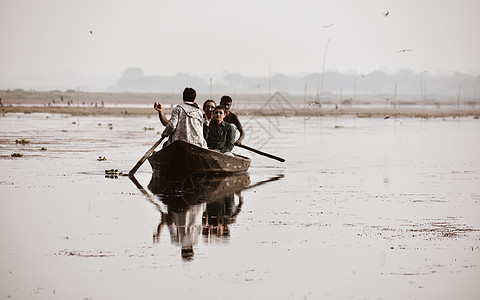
{"x": 219, "y": 134}
{"x": 186, "y": 121}
{"x": 226, "y": 101}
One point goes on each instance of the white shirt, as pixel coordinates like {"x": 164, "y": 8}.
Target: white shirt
{"x": 186, "y": 124}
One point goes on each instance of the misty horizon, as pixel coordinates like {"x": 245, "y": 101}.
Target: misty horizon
{"x": 134, "y": 79}
{"x": 279, "y": 45}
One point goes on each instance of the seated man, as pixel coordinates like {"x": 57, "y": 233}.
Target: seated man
{"x": 219, "y": 134}
{"x": 232, "y": 118}
{"x": 208, "y": 107}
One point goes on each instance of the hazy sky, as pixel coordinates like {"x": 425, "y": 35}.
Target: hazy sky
{"x": 164, "y": 37}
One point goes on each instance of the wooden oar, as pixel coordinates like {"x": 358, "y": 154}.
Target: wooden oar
{"x": 144, "y": 158}
{"x": 262, "y": 153}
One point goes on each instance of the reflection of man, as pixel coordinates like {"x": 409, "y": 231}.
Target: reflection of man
{"x": 186, "y": 121}
{"x": 185, "y": 227}
{"x": 220, "y": 213}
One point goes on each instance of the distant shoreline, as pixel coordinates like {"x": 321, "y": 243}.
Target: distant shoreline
{"x": 279, "y": 104}
{"x": 364, "y": 111}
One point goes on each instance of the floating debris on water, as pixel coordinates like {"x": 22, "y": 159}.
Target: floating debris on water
{"x": 16, "y": 155}
{"x": 22, "y": 141}
{"x": 112, "y": 173}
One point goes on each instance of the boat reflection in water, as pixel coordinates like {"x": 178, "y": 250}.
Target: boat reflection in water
{"x": 198, "y": 204}
{"x": 191, "y": 200}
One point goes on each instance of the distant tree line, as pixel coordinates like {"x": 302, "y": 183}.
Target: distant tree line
{"x": 403, "y": 82}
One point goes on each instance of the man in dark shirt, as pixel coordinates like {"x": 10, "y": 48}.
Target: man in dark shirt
{"x": 226, "y": 101}
{"x": 219, "y": 134}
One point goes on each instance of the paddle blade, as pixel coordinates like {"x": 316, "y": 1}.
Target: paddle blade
{"x": 144, "y": 158}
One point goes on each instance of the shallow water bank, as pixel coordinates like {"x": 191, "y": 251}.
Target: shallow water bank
{"x": 364, "y": 111}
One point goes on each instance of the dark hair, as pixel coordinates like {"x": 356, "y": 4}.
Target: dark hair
{"x": 220, "y": 107}
{"x": 226, "y": 99}
{"x": 209, "y": 100}
{"x": 189, "y": 94}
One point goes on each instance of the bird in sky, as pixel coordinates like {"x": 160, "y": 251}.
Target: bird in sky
{"x": 328, "y": 26}
{"x": 385, "y": 14}
{"x": 91, "y": 32}
{"x": 363, "y": 75}
{"x": 404, "y": 50}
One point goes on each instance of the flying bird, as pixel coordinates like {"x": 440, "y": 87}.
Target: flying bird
{"x": 328, "y": 26}
{"x": 363, "y": 75}
{"x": 404, "y": 50}
{"x": 385, "y": 14}
{"x": 91, "y": 32}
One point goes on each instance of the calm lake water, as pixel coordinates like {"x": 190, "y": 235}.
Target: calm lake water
{"x": 361, "y": 209}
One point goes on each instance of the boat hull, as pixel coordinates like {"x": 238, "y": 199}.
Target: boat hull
{"x": 184, "y": 159}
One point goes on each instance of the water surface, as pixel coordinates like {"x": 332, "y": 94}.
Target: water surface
{"x": 362, "y": 208}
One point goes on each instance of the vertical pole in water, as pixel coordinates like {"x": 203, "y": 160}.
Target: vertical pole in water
{"x": 341, "y": 95}
{"x": 421, "y": 87}
{"x": 425, "y": 87}
{"x": 421, "y": 90}
{"x": 395, "y": 97}
{"x": 354, "y": 89}
{"x": 459, "y": 91}
{"x": 323, "y": 72}
{"x": 304, "y": 96}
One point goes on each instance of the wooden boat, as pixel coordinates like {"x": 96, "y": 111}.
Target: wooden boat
{"x": 182, "y": 159}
